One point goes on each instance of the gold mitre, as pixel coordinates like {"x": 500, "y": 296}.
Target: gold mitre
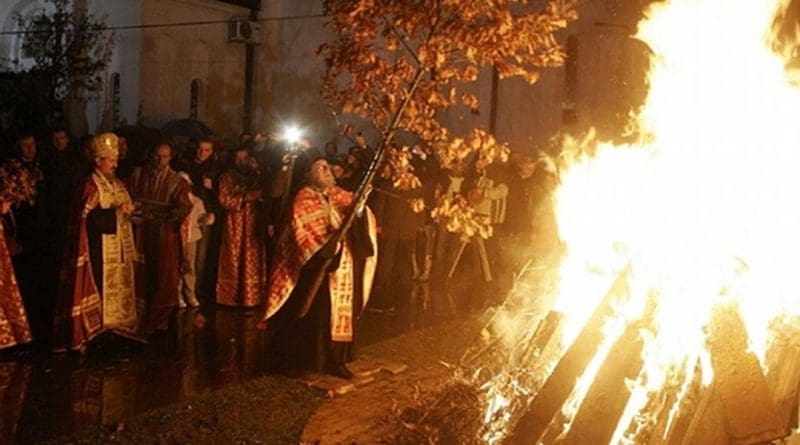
{"x": 105, "y": 145}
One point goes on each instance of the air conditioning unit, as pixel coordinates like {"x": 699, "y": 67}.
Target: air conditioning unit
{"x": 244, "y": 30}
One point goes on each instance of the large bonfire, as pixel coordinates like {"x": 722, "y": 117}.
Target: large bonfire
{"x": 682, "y": 250}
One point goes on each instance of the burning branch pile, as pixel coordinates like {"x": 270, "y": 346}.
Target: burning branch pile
{"x": 675, "y": 310}
{"x": 676, "y": 286}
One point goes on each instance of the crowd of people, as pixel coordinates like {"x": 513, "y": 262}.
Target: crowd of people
{"x": 91, "y": 242}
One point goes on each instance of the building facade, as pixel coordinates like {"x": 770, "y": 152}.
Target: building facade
{"x": 603, "y": 80}
{"x": 192, "y": 70}
{"x": 172, "y": 59}
{"x": 175, "y": 59}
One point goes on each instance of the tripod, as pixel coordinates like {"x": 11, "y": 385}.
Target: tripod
{"x": 480, "y": 245}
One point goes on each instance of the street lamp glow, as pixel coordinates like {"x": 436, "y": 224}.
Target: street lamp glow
{"x": 292, "y": 134}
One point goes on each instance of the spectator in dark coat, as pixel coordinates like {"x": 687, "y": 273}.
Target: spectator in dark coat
{"x": 204, "y": 171}
{"x": 61, "y": 168}
{"x": 398, "y": 230}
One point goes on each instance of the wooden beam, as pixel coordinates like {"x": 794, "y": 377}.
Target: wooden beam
{"x": 750, "y": 413}
{"x": 558, "y": 386}
{"x": 708, "y": 426}
{"x": 605, "y": 402}
{"x": 784, "y": 378}
{"x": 659, "y": 408}
{"x": 686, "y": 411}
{"x": 544, "y": 333}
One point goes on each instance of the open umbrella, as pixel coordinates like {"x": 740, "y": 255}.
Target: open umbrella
{"x": 188, "y": 128}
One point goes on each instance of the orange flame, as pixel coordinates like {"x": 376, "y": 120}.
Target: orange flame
{"x": 704, "y": 206}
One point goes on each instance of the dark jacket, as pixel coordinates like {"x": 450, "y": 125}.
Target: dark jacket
{"x": 210, "y": 168}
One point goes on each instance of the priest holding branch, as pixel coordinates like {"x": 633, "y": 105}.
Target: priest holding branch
{"x": 323, "y": 320}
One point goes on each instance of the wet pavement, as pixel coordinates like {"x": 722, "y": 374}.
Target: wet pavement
{"x": 45, "y": 396}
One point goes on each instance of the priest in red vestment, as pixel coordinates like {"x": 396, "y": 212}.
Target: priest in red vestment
{"x": 242, "y": 258}
{"x": 163, "y": 203}
{"x": 14, "y": 329}
{"x": 323, "y": 322}
{"x": 97, "y": 289}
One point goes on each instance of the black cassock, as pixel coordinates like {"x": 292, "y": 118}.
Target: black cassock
{"x": 304, "y": 344}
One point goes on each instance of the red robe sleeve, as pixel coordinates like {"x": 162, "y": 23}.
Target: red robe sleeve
{"x": 78, "y": 316}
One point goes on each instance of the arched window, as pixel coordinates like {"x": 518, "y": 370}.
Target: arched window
{"x": 116, "y": 98}
{"x": 194, "y": 98}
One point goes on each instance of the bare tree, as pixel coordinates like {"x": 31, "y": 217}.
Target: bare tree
{"x": 73, "y": 46}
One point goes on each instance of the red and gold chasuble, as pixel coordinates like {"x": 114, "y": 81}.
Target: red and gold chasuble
{"x": 14, "y": 327}
{"x": 242, "y": 266}
{"x": 316, "y": 217}
{"x": 120, "y": 310}
{"x": 81, "y": 312}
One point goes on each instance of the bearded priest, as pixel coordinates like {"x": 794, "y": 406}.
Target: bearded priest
{"x": 321, "y": 325}
{"x": 242, "y": 257}
{"x": 97, "y": 290}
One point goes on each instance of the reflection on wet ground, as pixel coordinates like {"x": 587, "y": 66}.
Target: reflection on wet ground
{"x": 46, "y": 396}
